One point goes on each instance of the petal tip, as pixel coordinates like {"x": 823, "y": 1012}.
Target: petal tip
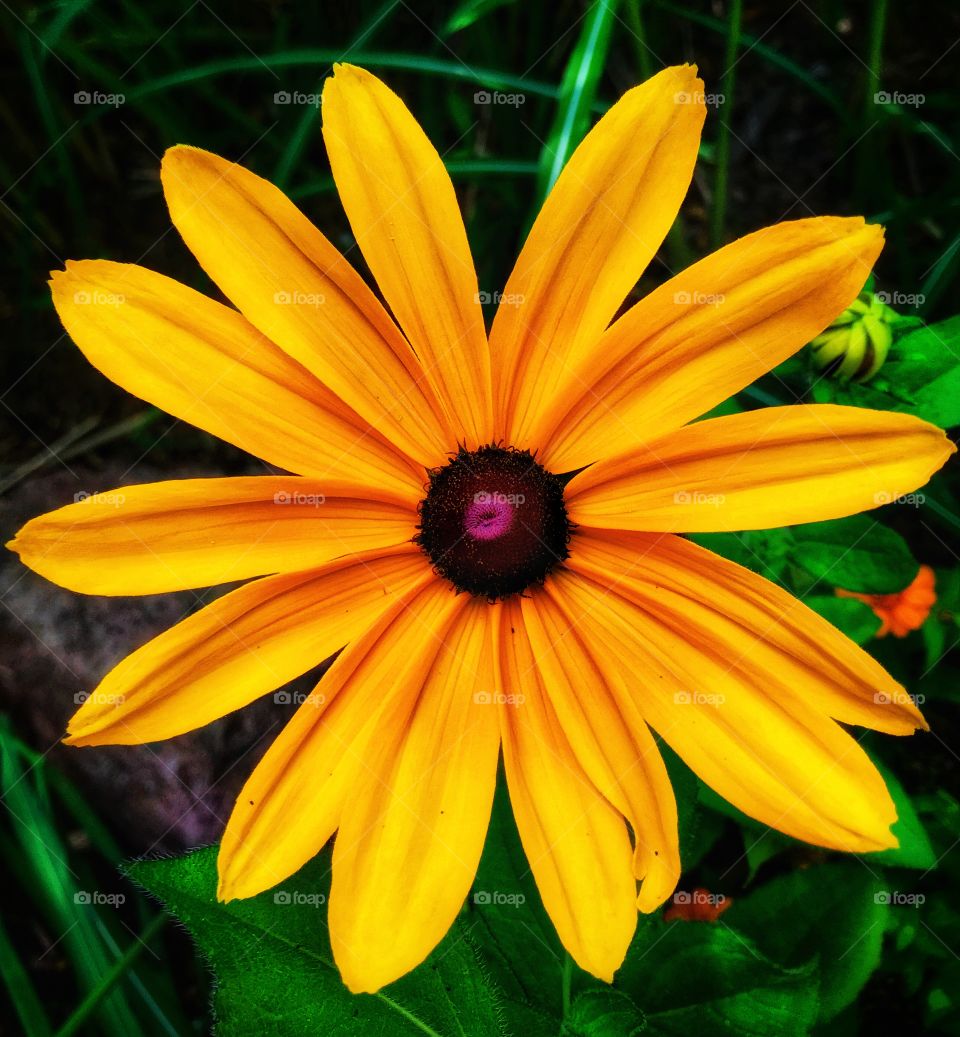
{"x": 177, "y": 151}
{"x": 226, "y": 884}
{"x": 344, "y": 73}
{"x": 81, "y": 736}
{"x": 179, "y": 157}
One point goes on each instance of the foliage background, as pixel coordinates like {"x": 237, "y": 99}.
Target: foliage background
{"x": 812, "y": 941}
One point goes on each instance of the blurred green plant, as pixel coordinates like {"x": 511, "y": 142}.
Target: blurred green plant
{"x": 119, "y": 995}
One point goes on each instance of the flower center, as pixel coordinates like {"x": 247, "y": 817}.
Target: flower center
{"x": 493, "y": 521}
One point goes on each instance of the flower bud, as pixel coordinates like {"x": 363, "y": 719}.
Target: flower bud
{"x": 856, "y": 344}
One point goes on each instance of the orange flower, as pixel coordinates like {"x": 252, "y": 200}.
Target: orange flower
{"x": 905, "y": 611}
{"x": 699, "y": 906}
{"x": 488, "y": 524}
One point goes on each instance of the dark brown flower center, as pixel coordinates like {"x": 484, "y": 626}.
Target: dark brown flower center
{"x": 493, "y": 521}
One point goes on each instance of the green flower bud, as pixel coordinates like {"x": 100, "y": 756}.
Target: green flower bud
{"x": 856, "y": 344}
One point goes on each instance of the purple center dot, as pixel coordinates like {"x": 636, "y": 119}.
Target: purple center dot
{"x": 488, "y": 516}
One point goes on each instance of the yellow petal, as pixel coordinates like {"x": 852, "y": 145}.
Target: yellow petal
{"x": 772, "y": 752}
{"x": 296, "y": 288}
{"x": 793, "y": 651}
{"x": 203, "y": 363}
{"x": 403, "y": 210}
{"x": 293, "y": 801}
{"x": 242, "y": 646}
{"x": 199, "y": 532}
{"x": 704, "y": 335}
{"x": 772, "y": 467}
{"x": 601, "y": 225}
{"x": 575, "y": 841}
{"x": 610, "y": 740}
{"x": 413, "y": 829}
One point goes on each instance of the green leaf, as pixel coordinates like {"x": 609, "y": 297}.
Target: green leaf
{"x": 513, "y": 931}
{"x": 833, "y": 915}
{"x": 934, "y": 634}
{"x": 854, "y": 618}
{"x": 857, "y": 553}
{"x": 603, "y": 1013}
{"x": 275, "y": 971}
{"x": 695, "y": 836}
{"x": 915, "y": 850}
{"x": 764, "y": 551}
{"x": 761, "y": 847}
{"x": 703, "y": 978}
{"x": 578, "y": 92}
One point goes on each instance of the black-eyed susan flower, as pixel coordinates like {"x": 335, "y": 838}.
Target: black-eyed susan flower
{"x": 489, "y": 525}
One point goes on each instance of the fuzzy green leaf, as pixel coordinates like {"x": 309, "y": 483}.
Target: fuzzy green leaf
{"x": 833, "y": 916}
{"x": 275, "y": 971}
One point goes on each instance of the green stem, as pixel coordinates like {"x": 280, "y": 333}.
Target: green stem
{"x": 26, "y": 1003}
{"x": 567, "y": 979}
{"x": 867, "y": 154}
{"x": 769, "y": 54}
{"x": 457, "y": 167}
{"x": 719, "y": 214}
{"x": 298, "y": 140}
{"x": 635, "y": 22}
{"x": 878, "y": 28}
{"x": 110, "y": 978}
{"x": 489, "y": 78}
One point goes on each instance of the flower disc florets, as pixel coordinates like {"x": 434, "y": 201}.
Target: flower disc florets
{"x": 493, "y": 521}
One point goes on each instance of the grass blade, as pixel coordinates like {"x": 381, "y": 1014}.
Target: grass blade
{"x": 578, "y": 93}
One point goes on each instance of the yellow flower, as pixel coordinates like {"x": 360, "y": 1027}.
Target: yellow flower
{"x": 588, "y": 621}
